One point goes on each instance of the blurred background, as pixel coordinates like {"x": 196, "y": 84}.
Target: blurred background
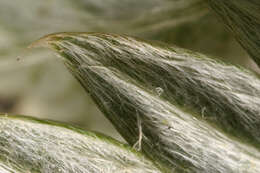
{"x": 35, "y": 82}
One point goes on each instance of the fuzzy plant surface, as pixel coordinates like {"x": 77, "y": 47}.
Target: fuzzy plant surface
{"x": 32, "y": 145}
{"x": 25, "y": 76}
{"x": 242, "y": 17}
{"x": 185, "y": 110}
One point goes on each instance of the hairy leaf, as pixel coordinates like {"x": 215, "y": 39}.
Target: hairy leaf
{"x": 177, "y": 102}
{"x": 23, "y": 75}
{"x": 32, "y": 145}
{"x": 242, "y": 17}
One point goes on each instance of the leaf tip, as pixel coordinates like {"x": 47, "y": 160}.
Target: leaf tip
{"x": 46, "y": 40}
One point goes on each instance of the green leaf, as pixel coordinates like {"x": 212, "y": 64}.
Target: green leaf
{"x": 243, "y": 19}
{"x": 192, "y": 113}
{"x": 32, "y": 145}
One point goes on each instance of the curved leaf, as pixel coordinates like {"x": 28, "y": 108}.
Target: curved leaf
{"x": 31, "y": 19}
{"x": 129, "y": 16}
{"x": 182, "y": 99}
{"x": 32, "y": 145}
{"x": 243, "y": 19}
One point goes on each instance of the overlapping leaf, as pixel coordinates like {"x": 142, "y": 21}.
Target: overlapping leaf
{"x": 189, "y": 112}
{"x": 243, "y": 19}
{"x": 32, "y": 145}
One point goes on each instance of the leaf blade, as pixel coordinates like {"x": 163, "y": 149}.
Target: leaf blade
{"x": 122, "y": 74}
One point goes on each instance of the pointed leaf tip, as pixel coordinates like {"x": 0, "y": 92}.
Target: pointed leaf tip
{"x": 196, "y": 113}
